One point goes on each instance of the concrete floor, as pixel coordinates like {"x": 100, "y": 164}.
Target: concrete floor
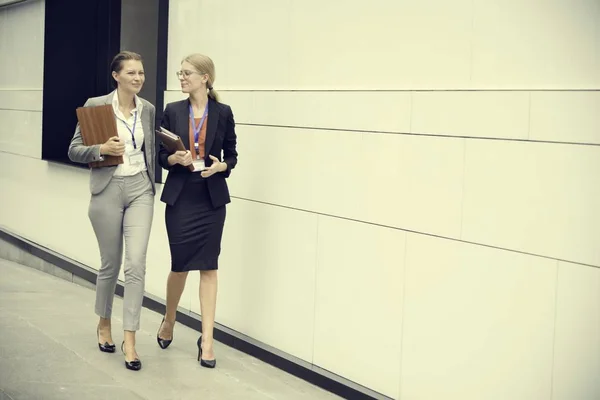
{"x": 48, "y": 351}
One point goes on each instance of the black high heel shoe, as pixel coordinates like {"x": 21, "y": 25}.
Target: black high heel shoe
{"x": 106, "y": 348}
{"x": 134, "y": 365}
{"x": 204, "y": 363}
{"x": 163, "y": 343}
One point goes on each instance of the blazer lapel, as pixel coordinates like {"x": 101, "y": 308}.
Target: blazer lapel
{"x": 211, "y": 127}
{"x": 183, "y": 123}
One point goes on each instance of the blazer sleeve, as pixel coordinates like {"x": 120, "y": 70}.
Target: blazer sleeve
{"x": 163, "y": 153}
{"x": 80, "y": 153}
{"x": 230, "y": 154}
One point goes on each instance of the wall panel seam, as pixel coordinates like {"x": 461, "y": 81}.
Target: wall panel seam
{"x": 20, "y": 110}
{"x": 439, "y": 135}
{"x": 416, "y": 232}
{"x": 398, "y": 90}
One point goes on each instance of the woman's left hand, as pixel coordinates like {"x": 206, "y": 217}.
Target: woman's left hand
{"x": 216, "y": 166}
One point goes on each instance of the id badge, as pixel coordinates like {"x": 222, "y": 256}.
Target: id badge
{"x": 136, "y": 159}
{"x": 198, "y": 165}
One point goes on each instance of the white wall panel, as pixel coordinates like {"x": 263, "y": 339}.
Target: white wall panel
{"x": 597, "y": 52}
{"x": 403, "y": 181}
{"x": 22, "y": 46}
{"x": 21, "y": 78}
{"x": 565, "y": 116}
{"x": 560, "y": 116}
{"x": 174, "y": 95}
{"x": 411, "y": 182}
{"x": 48, "y": 204}
{"x": 249, "y": 43}
{"x": 25, "y": 100}
{"x": 577, "y": 344}
{"x": 474, "y": 114}
{"x": 529, "y": 44}
{"x": 366, "y": 111}
{"x": 283, "y": 176}
{"x": 21, "y": 132}
{"x": 358, "y": 310}
{"x": 534, "y": 197}
{"x": 267, "y": 276}
{"x": 463, "y": 44}
{"x": 286, "y": 44}
{"x": 387, "y": 45}
{"x": 478, "y": 322}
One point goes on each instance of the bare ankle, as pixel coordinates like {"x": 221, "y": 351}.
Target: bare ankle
{"x": 104, "y": 323}
{"x": 170, "y": 318}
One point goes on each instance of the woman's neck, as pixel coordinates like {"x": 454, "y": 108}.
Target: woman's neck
{"x": 199, "y": 100}
{"x": 126, "y": 100}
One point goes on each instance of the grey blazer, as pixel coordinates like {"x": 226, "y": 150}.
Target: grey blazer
{"x": 100, "y": 177}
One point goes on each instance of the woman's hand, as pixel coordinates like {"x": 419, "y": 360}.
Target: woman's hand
{"x": 180, "y": 157}
{"x": 113, "y": 147}
{"x": 216, "y": 166}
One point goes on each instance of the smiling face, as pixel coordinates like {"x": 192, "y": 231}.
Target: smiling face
{"x": 191, "y": 79}
{"x": 130, "y": 76}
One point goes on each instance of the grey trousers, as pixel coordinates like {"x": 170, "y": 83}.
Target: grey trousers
{"x": 123, "y": 211}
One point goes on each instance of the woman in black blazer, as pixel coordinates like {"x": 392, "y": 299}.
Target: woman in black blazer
{"x": 195, "y": 211}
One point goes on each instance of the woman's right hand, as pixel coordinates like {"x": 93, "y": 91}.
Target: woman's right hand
{"x": 180, "y": 157}
{"x": 113, "y": 147}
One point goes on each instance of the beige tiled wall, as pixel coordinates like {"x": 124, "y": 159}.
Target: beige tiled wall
{"x": 415, "y": 201}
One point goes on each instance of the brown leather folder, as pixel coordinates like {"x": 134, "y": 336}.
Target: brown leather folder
{"x": 172, "y": 142}
{"x": 97, "y": 125}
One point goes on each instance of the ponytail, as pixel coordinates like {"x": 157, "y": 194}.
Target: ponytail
{"x": 212, "y": 93}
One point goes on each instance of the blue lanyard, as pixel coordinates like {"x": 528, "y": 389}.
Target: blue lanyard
{"x": 132, "y": 131}
{"x": 197, "y": 130}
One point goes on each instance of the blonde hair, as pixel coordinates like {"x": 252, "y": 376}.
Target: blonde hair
{"x": 204, "y": 65}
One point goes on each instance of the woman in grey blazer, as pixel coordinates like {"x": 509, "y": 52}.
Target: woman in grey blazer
{"x": 122, "y": 202}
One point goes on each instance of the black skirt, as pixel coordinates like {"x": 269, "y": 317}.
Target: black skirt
{"x": 194, "y": 228}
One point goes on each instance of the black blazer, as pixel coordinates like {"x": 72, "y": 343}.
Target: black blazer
{"x": 220, "y": 138}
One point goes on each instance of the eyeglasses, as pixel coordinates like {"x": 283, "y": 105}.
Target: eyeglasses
{"x": 186, "y": 73}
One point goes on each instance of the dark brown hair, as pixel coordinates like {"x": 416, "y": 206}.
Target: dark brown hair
{"x": 117, "y": 63}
